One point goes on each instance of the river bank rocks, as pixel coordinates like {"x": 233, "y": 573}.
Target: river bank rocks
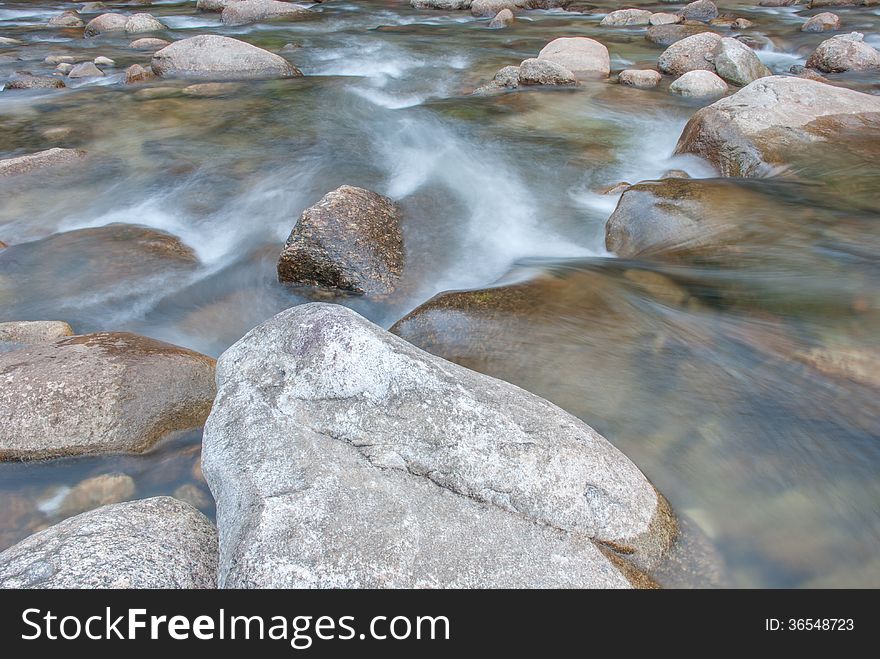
{"x": 215, "y": 57}
{"x": 99, "y": 393}
{"x": 844, "y": 52}
{"x": 32, "y": 162}
{"x": 342, "y": 456}
{"x": 34, "y": 331}
{"x": 244, "y": 12}
{"x": 151, "y": 543}
{"x": 699, "y": 84}
{"x": 349, "y": 242}
{"x": 822, "y": 22}
{"x": 765, "y": 124}
{"x": 627, "y": 17}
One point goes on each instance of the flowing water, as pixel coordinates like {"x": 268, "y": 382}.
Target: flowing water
{"x": 747, "y": 394}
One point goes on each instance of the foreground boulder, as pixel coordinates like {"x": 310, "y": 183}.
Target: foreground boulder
{"x": 350, "y": 241}
{"x": 212, "y": 56}
{"x": 56, "y": 157}
{"x": 245, "y": 12}
{"x": 34, "y": 331}
{"x": 845, "y": 52}
{"x": 151, "y": 543}
{"x": 99, "y": 393}
{"x": 342, "y": 456}
{"x": 585, "y": 58}
{"x": 766, "y": 123}
{"x": 690, "y": 54}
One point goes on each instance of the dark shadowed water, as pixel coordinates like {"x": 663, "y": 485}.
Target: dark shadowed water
{"x": 745, "y": 388}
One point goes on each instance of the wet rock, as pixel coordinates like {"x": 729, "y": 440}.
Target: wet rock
{"x": 766, "y": 123}
{"x": 822, "y": 22}
{"x": 544, "y": 72}
{"x": 151, "y": 543}
{"x": 585, "y": 58}
{"x": 99, "y": 393}
{"x": 95, "y": 492}
{"x": 737, "y": 63}
{"x": 663, "y": 18}
{"x": 26, "y": 80}
{"x": 211, "y": 56}
{"x": 506, "y": 78}
{"x": 245, "y": 12}
{"x": 92, "y": 7}
{"x": 85, "y": 70}
{"x": 487, "y": 8}
{"x": 210, "y": 89}
{"x": 155, "y": 93}
{"x": 692, "y": 53}
{"x": 66, "y": 19}
{"x": 104, "y": 61}
{"x": 38, "y": 161}
{"x": 731, "y": 23}
{"x": 193, "y": 495}
{"x": 105, "y": 23}
{"x": 350, "y": 241}
{"x": 136, "y": 74}
{"x": 617, "y": 188}
{"x": 778, "y": 3}
{"x": 213, "y": 5}
{"x": 64, "y": 68}
{"x": 503, "y": 18}
{"x": 148, "y": 43}
{"x": 644, "y": 78}
{"x": 3, "y": 245}
{"x": 448, "y": 5}
{"x": 843, "y": 3}
{"x": 34, "y": 331}
{"x": 139, "y": 23}
{"x": 666, "y": 35}
{"x": 627, "y": 17}
{"x": 701, "y": 10}
{"x": 699, "y": 84}
{"x": 52, "y": 60}
{"x": 803, "y": 72}
{"x": 844, "y": 52}
{"x": 56, "y": 133}
{"x": 372, "y": 467}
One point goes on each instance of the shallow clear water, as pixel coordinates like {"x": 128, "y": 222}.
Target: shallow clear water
{"x": 771, "y": 458}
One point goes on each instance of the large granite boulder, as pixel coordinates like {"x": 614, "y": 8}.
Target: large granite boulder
{"x": 585, "y": 58}
{"x": 210, "y": 56}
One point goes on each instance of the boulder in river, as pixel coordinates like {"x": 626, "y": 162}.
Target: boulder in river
{"x": 701, "y": 10}
{"x": 148, "y": 43}
{"x": 350, "y": 241}
{"x": 699, "y": 84}
{"x": 822, "y": 22}
{"x": 627, "y": 17}
{"x": 664, "y": 18}
{"x": 85, "y": 70}
{"x": 342, "y": 456}
{"x": 66, "y": 19}
{"x": 213, "y": 5}
{"x": 690, "y": 54}
{"x": 245, "y": 12}
{"x": 56, "y": 157}
{"x": 586, "y": 58}
{"x": 106, "y": 392}
{"x": 737, "y": 63}
{"x": 136, "y": 74}
{"x": 536, "y": 71}
{"x": 503, "y": 18}
{"x": 34, "y": 331}
{"x": 844, "y": 52}
{"x": 644, "y": 78}
{"x": 766, "y": 123}
{"x": 666, "y": 35}
{"x": 150, "y": 543}
{"x": 109, "y": 22}
{"x": 210, "y": 56}
{"x": 487, "y": 8}
{"x": 138, "y": 23}
{"x": 26, "y": 80}
{"x": 94, "y": 492}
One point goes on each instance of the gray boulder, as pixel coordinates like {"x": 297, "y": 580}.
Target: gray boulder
{"x": 487, "y": 8}
{"x": 766, "y": 123}
{"x": 104, "y": 23}
{"x": 66, "y": 19}
{"x": 690, "y": 54}
{"x": 627, "y": 17}
{"x": 699, "y": 84}
{"x": 737, "y": 63}
{"x": 148, "y": 43}
{"x": 99, "y": 393}
{"x": 245, "y": 12}
{"x": 350, "y": 241}
{"x": 213, "y": 5}
{"x": 138, "y": 23}
{"x": 668, "y": 34}
{"x": 26, "y": 80}
{"x": 822, "y": 22}
{"x": 40, "y": 160}
{"x": 215, "y": 57}
{"x": 585, "y": 58}
{"x": 701, "y": 10}
{"x": 85, "y": 70}
{"x": 34, "y": 331}
{"x": 643, "y": 78}
{"x": 151, "y": 543}
{"x": 544, "y": 72}
{"x": 503, "y": 18}
{"x": 844, "y": 52}
{"x": 664, "y": 18}
{"x": 342, "y": 456}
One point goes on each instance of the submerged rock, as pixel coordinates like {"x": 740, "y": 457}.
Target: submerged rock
{"x": 67, "y": 18}
{"x": 663, "y": 18}
{"x": 85, "y": 70}
{"x": 699, "y": 84}
{"x": 148, "y": 43}
{"x": 737, "y": 63}
{"x": 41, "y": 160}
{"x": 666, "y": 35}
{"x": 211, "y": 56}
{"x": 95, "y": 492}
{"x": 692, "y": 53}
{"x": 822, "y": 22}
{"x": 34, "y": 331}
{"x": 627, "y": 17}
{"x": 342, "y": 456}
{"x": 503, "y": 18}
{"x": 544, "y": 72}
{"x": 766, "y": 123}
{"x": 350, "y": 241}
{"x": 136, "y": 74}
{"x": 585, "y": 58}
{"x": 644, "y": 78}
{"x": 448, "y": 5}
{"x": 99, "y": 393}
{"x": 245, "y": 12}
{"x": 26, "y": 80}
{"x": 844, "y": 52}
{"x": 151, "y": 543}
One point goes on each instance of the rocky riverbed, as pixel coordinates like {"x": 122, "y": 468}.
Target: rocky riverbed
{"x": 441, "y": 293}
